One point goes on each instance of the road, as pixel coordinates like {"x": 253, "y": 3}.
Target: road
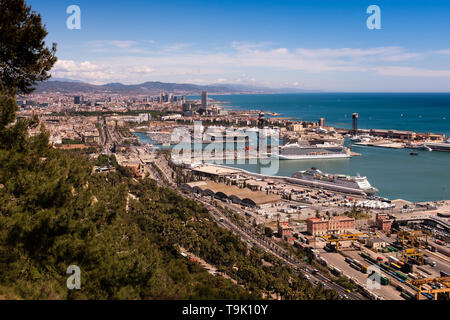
{"x": 265, "y": 244}
{"x": 277, "y": 251}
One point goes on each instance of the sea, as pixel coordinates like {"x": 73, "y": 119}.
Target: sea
{"x": 396, "y": 173}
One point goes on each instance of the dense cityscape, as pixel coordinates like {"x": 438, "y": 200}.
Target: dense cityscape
{"x": 194, "y": 192}
{"x": 339, "y": 220}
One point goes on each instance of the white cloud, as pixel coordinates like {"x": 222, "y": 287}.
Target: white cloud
{"x": 177, "y": 47}
{"x": 412, "y": 72}
{"x": 141, "y": 69}
{"x": 112, "y": 43}
{"x": 444, "y": 52}
{"x": 258, "y": 60}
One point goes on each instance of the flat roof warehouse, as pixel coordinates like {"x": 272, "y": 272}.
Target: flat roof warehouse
{"x": 237, "y": 195}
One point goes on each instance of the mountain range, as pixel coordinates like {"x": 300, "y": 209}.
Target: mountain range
{"x": 153, "y": 87}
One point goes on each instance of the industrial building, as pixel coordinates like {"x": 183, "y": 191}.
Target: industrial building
{"x": 383, "y": 222}
{"x": 376, "y": 243}
{"x": 241, "y": 196}
{"x": 335, "y": 225}
{"x": 284, "y": 230}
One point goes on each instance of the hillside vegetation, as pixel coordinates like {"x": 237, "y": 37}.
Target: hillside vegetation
{"x": 122, "y": 233}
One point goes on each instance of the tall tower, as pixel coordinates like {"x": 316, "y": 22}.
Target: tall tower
{"x": 355, "y": 122}
{"x": 322, "y": 122}
{"x": 204, "y": 100}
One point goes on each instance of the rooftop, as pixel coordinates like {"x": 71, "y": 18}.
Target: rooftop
{"x": 257, "y": 197}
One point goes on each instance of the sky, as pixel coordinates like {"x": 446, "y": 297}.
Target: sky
{"x": 311, "y": 45}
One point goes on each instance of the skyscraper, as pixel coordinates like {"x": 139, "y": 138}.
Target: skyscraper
{"x": 355, "y": 122}
{"x": 204, "y": 100}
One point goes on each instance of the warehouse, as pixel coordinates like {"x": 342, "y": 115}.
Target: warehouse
{"x": 241, "y": 196}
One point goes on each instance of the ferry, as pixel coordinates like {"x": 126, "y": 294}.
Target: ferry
{"x": 342, "y": 183}
{"x": 439, "y": 146}
{"x": 294, "y": 151}
{"x": 421, "y": 146}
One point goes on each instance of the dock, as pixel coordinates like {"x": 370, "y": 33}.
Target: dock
{"x": 382, "y": 144}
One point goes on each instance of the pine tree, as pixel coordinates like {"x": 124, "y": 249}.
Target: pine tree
{"x": 24, "y": 60}
{"x": 24, "y": 57}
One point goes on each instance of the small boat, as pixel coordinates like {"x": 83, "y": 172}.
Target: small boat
{"x": 414, "y": 154}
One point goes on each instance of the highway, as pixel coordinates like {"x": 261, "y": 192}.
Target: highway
{"x": 277, "y": 251}
{"x": 269, "y": 246}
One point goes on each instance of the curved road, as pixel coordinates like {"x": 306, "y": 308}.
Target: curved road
{"x": 276, "y": 250}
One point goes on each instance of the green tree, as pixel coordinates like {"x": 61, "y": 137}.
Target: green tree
{"x": 24, "y": 57}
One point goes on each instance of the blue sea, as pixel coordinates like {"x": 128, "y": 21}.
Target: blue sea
{"x": 395, "y": 173}
{"x": 420, "y": 112}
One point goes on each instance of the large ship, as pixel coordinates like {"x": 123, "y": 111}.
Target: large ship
{"x": 439, "y": 146}
{"x": 320, "y": 151}
{"x": 341, "y": 183}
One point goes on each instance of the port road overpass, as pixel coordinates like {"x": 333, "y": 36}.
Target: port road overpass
{"x": 436, "y": 221}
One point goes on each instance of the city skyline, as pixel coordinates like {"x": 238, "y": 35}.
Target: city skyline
{"x": 312, "y": 46}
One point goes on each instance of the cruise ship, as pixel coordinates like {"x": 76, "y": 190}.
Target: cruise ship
{"x": 321, "y": 151}
{"x": 341, "y": 183}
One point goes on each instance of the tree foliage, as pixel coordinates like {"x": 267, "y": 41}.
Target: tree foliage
{"x": 124, "y": 234}
{"x": 24, "y": 57}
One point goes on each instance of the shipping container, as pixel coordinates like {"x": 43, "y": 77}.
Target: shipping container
{"x": 363, "y": 269}
{"x": 406, "y": 296}
{"x": 383, "y": 280}
{"x": 444, "y": 274}
{"x": 355, "y": 266}
{"x": 401, "y": 275}
{"x": 365, "y": 255}
{"x": 395, "y": 266}
{"x": 412, "y": 276}
{"x": 394, "y": 260}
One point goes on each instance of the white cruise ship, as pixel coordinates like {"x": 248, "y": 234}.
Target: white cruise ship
{"x": 321, "y": 151}
{"x": 341, "y": 183}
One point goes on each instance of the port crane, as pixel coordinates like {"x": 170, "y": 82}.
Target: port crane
{"x": 337, "y": 239}
{"x": 415, "y": 243}
{"x": 415, "y": 253}
{"x": 443, "y": 281}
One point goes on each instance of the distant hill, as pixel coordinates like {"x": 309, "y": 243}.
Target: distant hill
{"x": 151, "y": 88}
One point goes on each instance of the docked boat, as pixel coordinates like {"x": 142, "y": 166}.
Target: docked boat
{"x": 321, "y": 151}
{"x": 341, "y": 183}
{"x": 439, "y": 146}
{"x": 421, "y": 146}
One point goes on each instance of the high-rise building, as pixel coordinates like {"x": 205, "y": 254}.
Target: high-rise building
{"x": 77, "y": 100}
{"x": 204, "y": 100}
{"x": 322, "y": 122}
{"x": 355, "y": 122}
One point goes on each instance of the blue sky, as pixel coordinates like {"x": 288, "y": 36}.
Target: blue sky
{"x": 320, "y": 45}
